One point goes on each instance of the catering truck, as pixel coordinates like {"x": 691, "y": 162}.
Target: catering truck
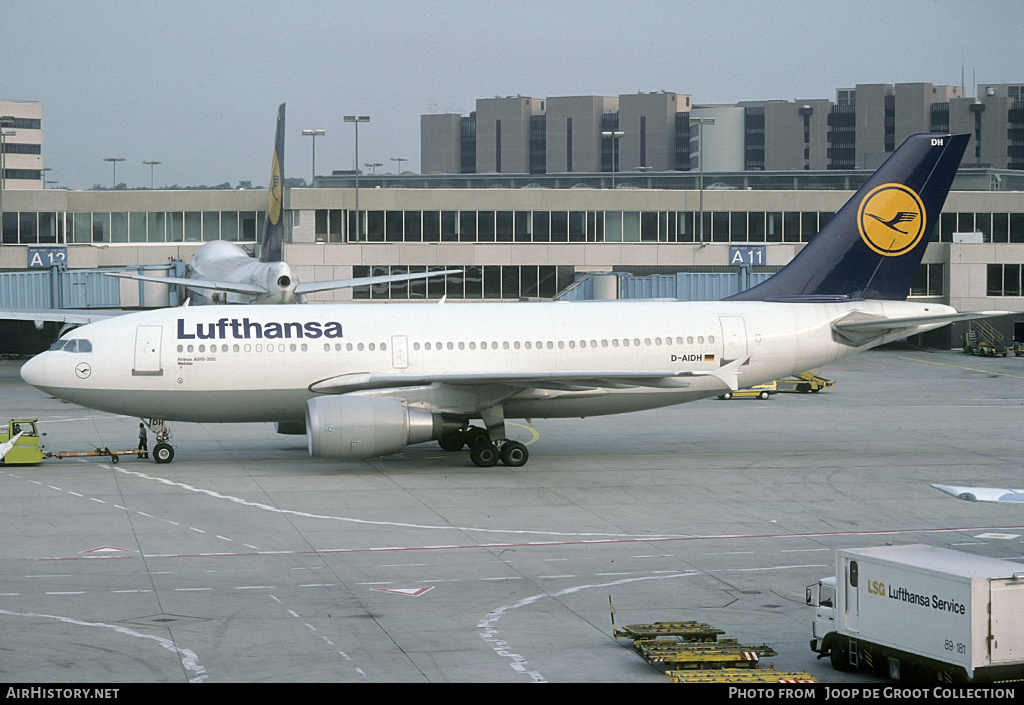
{"x": 920, "y": 613}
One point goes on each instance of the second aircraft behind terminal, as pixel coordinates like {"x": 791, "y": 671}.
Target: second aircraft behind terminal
{"x": 222, "y": 272}
{"x": 368, "y": 379}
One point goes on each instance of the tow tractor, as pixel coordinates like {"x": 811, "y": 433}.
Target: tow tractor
{"x": 803, "y": 383}
{"x": 19, "y": 445}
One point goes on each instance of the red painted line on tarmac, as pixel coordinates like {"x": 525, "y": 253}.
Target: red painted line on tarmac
{"x": 537, "y": 544}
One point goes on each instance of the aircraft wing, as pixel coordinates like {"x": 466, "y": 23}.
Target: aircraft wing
{"x": 983, "y": 494}
{"x": 314, "y": 287}
{"x": 233, "y": 287}
{"x": 78, "y": 316}
{"x": 541, "y": 379}
{"x": 860, "y": 328}
{"x": 5, "y": 448}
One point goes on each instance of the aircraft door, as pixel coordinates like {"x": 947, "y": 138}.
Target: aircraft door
{"x": 734, "y": 339}
{"x": 147, "y": 351}
{"x": 399, "y": 352}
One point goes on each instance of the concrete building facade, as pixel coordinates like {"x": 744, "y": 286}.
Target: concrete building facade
{"x": 855, "y": 130}
{"x": 21, "y": 147}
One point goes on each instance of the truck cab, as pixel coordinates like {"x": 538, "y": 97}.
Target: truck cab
{"x": 26, "y": 448}
{"x": 822, "y": 595}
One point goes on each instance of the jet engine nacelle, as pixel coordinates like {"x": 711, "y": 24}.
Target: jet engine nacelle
{"x": 352, "y": 426}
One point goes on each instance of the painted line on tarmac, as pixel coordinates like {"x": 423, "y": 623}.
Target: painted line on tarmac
{"x": 961, "y": 367}
{"x": 189, "y": 660}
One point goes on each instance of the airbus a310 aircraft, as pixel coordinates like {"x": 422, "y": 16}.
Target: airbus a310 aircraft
{"x": 369, "y": 379}
{"x": 222, "y": 272}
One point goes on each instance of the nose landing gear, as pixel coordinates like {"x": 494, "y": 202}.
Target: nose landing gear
{"x": 163, "y": 452}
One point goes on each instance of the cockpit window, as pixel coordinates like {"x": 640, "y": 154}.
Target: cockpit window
{"x": 74, "y": 345}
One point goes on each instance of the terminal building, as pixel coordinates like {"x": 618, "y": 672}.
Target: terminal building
{"x": 662, "y": 131}
{"x": 542, "y": 213}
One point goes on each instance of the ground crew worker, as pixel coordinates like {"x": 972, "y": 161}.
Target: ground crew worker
{"x": 143, "y": 441}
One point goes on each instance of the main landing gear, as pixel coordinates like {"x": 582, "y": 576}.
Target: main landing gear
{"x": 482, "y": 451}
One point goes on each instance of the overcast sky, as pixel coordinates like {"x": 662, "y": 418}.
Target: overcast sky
{"x": 196, "y": 84}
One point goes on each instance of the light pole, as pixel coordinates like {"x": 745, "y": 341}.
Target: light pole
{"x": 150, "y": 164}
{"x": 399, "y": 160}
{"x": 356, "y": 119}
{"x": 614, "y": 135}
{"x": 372, "y": 166}
{"x": 314, "y": 134}
{"x": 113, "y": 162}
{"x": 700, "y": 155}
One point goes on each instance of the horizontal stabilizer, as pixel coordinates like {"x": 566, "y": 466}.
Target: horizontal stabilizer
{"x": 858, "y": 329}
{"x": 313, "y": 287}
{"x": 233, "y": 287}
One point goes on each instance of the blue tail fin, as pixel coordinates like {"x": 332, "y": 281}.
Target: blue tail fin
{"x": 872, "y": 248}
{"x": 273, "y": 228}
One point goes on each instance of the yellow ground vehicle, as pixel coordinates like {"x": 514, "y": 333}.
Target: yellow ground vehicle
{"x": 758, "y": 391}
{"x": 803, "y": 382}
{"x": 23, "y": 449}
{"x": 982, "y": 338}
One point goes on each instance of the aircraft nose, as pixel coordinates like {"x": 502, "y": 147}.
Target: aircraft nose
{"x": 34, "y": 371}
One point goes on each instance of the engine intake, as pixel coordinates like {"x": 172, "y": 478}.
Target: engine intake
{"x": 352, "y": 426}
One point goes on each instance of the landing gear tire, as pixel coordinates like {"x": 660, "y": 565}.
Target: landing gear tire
{"x": 453, "y": 441}
{"x": 514, "y": 454}
{"x": 484, "y": 455}
{"x": 163, "y": 453}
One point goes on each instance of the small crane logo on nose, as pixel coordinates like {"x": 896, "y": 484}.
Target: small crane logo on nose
{"x": 83, "y": 370}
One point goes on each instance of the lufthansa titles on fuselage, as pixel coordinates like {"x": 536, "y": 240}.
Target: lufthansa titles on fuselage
{"x": 245, "y": 329}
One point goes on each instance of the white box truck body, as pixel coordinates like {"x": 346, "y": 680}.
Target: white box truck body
{"x": 921, "y": 613}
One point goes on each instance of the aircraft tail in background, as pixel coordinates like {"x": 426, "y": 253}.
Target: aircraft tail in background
{"x": 273, "y": 229}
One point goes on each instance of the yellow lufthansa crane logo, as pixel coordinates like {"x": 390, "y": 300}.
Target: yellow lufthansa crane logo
{"x": 275, "y": 192}
{"x": 891, "y": 219}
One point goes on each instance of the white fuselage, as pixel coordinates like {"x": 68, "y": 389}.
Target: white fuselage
{"x": 222, "y": 261}
{"x": 258, "y": 363}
